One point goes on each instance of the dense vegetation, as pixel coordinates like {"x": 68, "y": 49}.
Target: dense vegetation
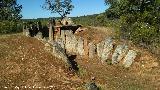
{"x": 136, "y": 20}
{"x": 10, "y": 16}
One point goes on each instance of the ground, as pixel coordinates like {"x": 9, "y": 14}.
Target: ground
{"x": 25, "y": 64}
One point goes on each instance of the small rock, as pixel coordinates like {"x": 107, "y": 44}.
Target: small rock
{"x": 91, "y": 86}
{"x": 155, "y": 64}
{"x": 47, "y": 47}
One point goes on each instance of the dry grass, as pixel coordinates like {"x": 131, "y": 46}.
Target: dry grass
{"x": 144, "y": 74}
{"x": 24, "y": 62}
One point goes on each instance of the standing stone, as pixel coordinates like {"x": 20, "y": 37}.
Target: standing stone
{"x": 39, "y": 36}
{"x": 128, "y": 60}
{"x": 50, "y": 33}
{"x": 92, "y": 50}
{"x": 61, "y": 43}
{"x": 71, "y": 41}
{"x": 86, "y": 48}
{"x": 107, "y": 50}
{"x": 67, "y": 21}
{"x": 24, "y": 29}
{"x": 47, "y": 47}
{"x": 100, "y": 48}
{"x": 119, "y": 53}
{"x": 59, "y": 53}
{"x": 80, "y": 46}
{"x": 63, "y": 35}
{"x": 27, "y": 33}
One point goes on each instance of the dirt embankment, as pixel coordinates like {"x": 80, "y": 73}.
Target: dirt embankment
{"x": 24, "y": 62}
{"x": 144, "y": 74}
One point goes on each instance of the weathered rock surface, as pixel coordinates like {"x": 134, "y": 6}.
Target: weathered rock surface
{"x": 71, "y": 41}
{"x": 100, "y": 49}
{"x": 92, "y": 50}
{"x": 26, "y": 32}
{"x": 63, "y": 37}
{"x": 107, "y": 49}
{"x": 47, "y": 47}
{"x": 60, "y": 42}
{"x": 91, "y": 86}
{"x": 59, "y": 52}
{"x": 51, "y": 33}
{"x": 119, "y": 53}
{"x": 39, "y": 36}
{"x": 128, "y": 60}
{"x": 67, "y": 21}
{"x": 80, "y": 46}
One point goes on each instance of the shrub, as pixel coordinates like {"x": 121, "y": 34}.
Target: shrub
{"x": 10, "y": 27}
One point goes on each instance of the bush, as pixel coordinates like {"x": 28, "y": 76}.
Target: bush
{"x": 10, "y": 27}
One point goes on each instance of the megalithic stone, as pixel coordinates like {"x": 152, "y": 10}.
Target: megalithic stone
{"x": 27, "y": 32}
{"x": 129, "y": 59}
{"x": 24, "y": 29}
{"x": 59, "y": 52}
{"x": 100, "y": 47}
{"x": 107, "y": 50}
{"x": 60, "y": 42}
{"x": 50, "y": 32}
{"x": 80, "y": 46}
{"x": 119, "y": 53}
{"x": 71, "y": 41}
{"x": 39, "y": 36}
{"x": 92, "y": 50}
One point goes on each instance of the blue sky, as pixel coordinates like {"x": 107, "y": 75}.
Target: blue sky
{"x": 33, "y": 8}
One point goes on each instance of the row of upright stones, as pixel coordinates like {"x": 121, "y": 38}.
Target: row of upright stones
{"x": 104, "y": 49}
{"x": 70, "y": 43}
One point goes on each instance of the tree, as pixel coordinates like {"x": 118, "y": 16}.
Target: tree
{"x": 62, "y": 7}
{"x": 10, "y": 10}
{"x": 139, "y": 19}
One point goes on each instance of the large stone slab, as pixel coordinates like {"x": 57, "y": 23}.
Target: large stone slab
{"x": 100, "y": 47}
{"x": 119, "y": 53}
{"x": 71, "y": 41}
{"x": 107, "y": 49}
{"x": 92, "y": 50}
{"x": 60, "y": 42}
{"x": 26, "y": 32}
{"x": 39, "y": 36}
{"x": 51, "y": 33}
{"x": 63, "y": 37}
{"x": 129, "y": 59}
{"x": 59, "y": 53}
{"x": 67, "y": 21}
{"x": 80, "y": 46}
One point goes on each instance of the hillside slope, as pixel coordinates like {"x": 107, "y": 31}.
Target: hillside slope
{"x": 25, "y": 64}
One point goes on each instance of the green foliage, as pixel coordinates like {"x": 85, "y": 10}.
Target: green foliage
{"x": 62, "y": 7}
{"x": 10, "y": 27}
{"x": 139, "y": 20}
{"x": 9, "y": 16}
{"x": 10, "y": 10}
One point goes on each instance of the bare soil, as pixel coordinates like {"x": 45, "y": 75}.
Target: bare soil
{"x": 144, "y": 74}
{"x": 25, "y": 64}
